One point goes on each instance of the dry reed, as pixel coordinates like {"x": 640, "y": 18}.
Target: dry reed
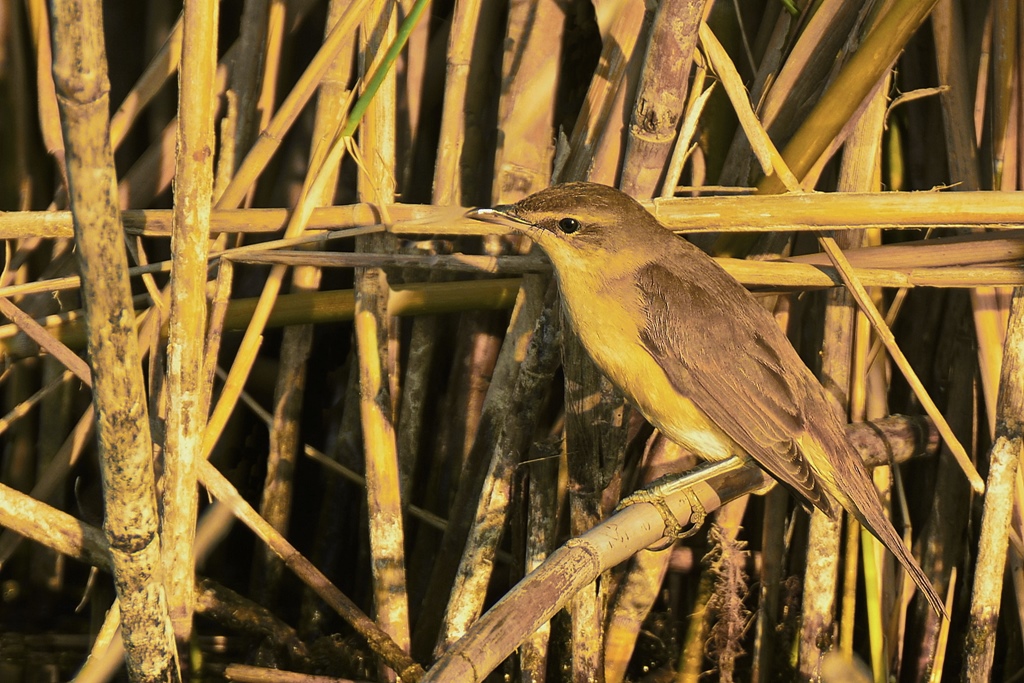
{"x": 271, "y": 309}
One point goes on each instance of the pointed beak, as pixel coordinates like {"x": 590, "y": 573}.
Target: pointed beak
{"x": 499, "y": 215}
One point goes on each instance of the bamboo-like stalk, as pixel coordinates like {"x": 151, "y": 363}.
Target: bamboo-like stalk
{"x": 540, "y": 533}
{"x": 239, "y": 125}
{"x": 54, "y": 528}
{"x": 163, "y": 65}
{"x": 275, "y": 505}
{"x": 519, "y": 168}
{"x": 538, "y": 363}
{"x": 476, "y": 340}
{"x": 593, "y": 438}
{"x": 819, "y": 211}
{"x": 853, "y": 83}
{"x": 962, "y": 157}
{"x": 239, "y": 187}
{"x": 461, "y": 148}
{"x": 374, "y": 331}
{"x": 595, "y": 441}
{"x": 529, "y": 76}
{"x": 859, "y": 172}
{"x": 951, "y": 58}
{"x": 581, "y": 560}
{"x": 122, "y": 423}
{"x": 186, "y": 411}
{"x": 661, "y": 95}
{"x": 599, "y": 107}
{"x": 1001, "y": 485}
{"x": 46, "y": 98}
{"x": 448, "y": 175}
{"x": 635, "y": 594}
{"x": 610, "y": 136}
{"x": 485, "y": 379}
{"x": 987, "y": 259}
{"x": 460, "y": 384}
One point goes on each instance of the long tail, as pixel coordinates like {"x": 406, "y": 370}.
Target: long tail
{"x": 849, "y": 483}
{"x": 882, "y": 528}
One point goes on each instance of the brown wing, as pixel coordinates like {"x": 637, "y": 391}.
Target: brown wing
{"x": 726, "y": 354}
{"x": 738, "y": 367}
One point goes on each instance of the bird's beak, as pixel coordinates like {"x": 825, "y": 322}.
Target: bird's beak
{"x": 499, "y": 215}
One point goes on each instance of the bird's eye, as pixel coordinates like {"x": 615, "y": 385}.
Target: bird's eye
{"x": 569, "y": 225}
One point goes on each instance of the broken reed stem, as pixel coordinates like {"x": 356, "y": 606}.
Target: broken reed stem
{"x": 46, "y": 341}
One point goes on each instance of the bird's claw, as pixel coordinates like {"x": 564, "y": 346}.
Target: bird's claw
{"x": 674, "y": 531}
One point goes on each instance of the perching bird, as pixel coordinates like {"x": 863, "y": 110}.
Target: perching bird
{"x": 695, "y": 352}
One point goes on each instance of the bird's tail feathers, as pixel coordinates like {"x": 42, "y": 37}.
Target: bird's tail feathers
{"x": 886, "y": 533}
{"x": 860, "y": 498}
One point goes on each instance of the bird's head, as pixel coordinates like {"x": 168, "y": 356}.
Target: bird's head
{"x": 579, "y": 224}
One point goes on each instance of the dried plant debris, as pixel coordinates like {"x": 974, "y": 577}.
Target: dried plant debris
{"x": 271, "y": 398}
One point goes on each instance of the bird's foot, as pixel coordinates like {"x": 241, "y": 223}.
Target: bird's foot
{"x": 674, "y": 531}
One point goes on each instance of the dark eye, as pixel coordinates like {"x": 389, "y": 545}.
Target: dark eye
{"x": 569, "y": 225}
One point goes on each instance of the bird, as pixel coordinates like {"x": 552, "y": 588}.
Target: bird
{"x": 695, "y": 352}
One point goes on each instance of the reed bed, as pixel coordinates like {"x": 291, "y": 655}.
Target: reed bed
{"x": 272, "y": 406}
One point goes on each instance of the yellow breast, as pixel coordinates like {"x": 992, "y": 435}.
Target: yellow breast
{"x": 611, "y": 335}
